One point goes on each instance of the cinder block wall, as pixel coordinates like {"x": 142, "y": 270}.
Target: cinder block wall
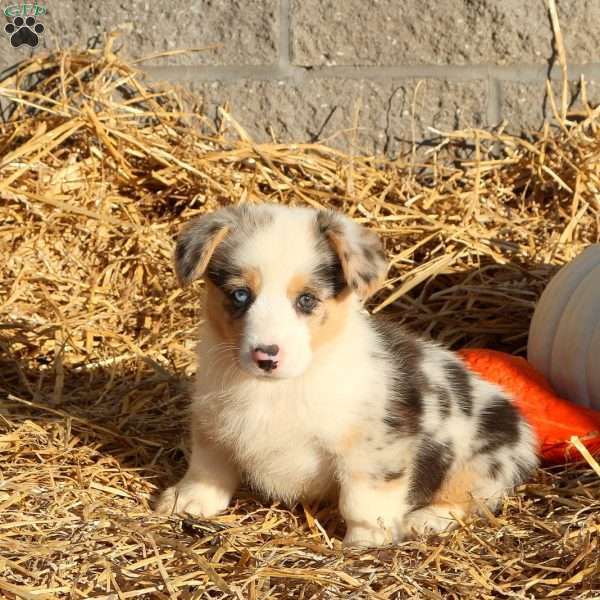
{"x": 371, "y": 74}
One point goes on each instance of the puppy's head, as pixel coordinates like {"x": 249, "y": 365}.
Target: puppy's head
{"x": 280, "y": 281}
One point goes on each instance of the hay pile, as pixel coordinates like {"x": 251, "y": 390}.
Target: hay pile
{"x": 97, "y": 174}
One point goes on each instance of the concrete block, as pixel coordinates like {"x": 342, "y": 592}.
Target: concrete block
{"x": 246, "y": 32}
{"x": 10, "y": 56}
{"x": 525, "y": 106}
{"x": 371, "y": 117}
{"x": 393, "y": 32}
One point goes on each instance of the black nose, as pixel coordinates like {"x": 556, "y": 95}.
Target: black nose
{"x": 271, "y": 350}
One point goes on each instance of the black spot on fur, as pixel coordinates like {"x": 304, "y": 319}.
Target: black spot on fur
{"x": 404, "y": 410}
{"x": 444, "y": 403}
{"x": 354, "y": 284}
{"x": 367, "y": 253}
{"x": 329, "y": 221}
{"x": 460, "y": 385}
{"x": 329, "y": 274}
{"x": 431, "y": 467}
{"x": 187, "y": 258}
{"x": 494, "y": 469}
{"x": 366, "y": 277}
{"x": 219, "y": 273}
{"x": 392, "y": 475}
{"x": 498, "y": 425}
{"x": 214, "y": 228}
{"x": 406, "y": 389}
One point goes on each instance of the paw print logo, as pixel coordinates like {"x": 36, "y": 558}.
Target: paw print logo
{"x": 24, "y": 31}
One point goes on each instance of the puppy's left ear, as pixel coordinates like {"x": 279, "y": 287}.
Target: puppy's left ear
{"x": 359, "y": 250}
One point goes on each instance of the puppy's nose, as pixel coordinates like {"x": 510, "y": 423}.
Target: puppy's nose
{"x": 266, "y": 357}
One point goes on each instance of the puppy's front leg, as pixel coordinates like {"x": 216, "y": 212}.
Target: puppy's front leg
{"x": 374, "y": 510}
{"x": 206, "y": 488}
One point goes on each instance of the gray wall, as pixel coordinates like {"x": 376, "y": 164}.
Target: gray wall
{"x": 306, "y": 69}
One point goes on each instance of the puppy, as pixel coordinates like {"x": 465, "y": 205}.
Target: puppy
{"x": 304, "y": 395}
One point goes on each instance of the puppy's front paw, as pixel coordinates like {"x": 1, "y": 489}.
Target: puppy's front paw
{"x": 193, "y": 498}
{"x": 366, "y": 536}
{"x": 433, "y": 519}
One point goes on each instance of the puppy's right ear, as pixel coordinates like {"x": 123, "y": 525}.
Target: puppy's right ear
{"x": 197, "y": 242}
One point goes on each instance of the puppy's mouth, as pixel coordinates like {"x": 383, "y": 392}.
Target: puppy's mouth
{"x": 268, "y": 366}
{"x": 265, "y": 370}
{"x": 262, "y": 369}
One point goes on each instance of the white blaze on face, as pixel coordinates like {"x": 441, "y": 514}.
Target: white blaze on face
{"x": 279, "y": 251}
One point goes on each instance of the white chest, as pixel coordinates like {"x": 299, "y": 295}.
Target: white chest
{"x": 286, "y": 434}
{"x": 272, "y": 437}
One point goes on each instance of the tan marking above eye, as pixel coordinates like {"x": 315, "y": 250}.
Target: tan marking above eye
{"x": 298, "y": 284}
{"x": 249, "y": 278}
{"x": 253, "y": 279}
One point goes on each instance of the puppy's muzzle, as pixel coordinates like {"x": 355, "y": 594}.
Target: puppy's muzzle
{"x": 266, "y": 357}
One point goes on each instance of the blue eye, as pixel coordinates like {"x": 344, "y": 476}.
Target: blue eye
{"x": 240, "y": 297}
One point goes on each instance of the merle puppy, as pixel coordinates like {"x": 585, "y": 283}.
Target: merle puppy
{"x": 304, "y": 395}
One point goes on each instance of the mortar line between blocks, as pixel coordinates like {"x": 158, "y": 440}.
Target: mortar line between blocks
{"x": 494, "y": 103}
{"x": 451, "y": 73}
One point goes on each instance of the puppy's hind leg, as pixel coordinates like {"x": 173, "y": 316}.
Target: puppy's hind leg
{"x": 207, "y": 486}
{"x": 462, "y": 494}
